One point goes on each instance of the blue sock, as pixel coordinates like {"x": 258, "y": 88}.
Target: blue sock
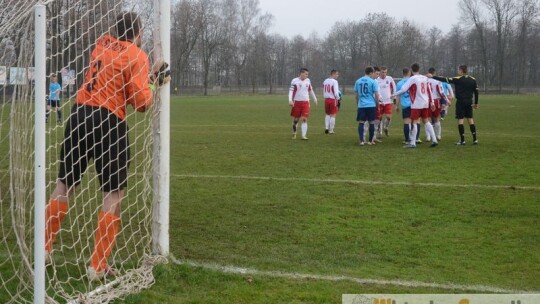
{"x": 418, "y": 133}
{"x": 361, "y": 131}
{"x": 371, "y": 132}
{"x": 406, "y": 131}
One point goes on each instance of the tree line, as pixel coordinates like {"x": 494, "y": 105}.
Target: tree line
{"x": 227, "y": 43}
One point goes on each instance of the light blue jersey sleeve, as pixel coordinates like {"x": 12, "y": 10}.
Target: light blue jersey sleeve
{"x": 445, "y": 88}
{"x": 405, "y": 98}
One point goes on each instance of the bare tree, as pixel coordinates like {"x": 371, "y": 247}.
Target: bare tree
{"x": 211, "y": 36}
{"x": 433, "y": 48}
{"x": 528, "y": 11}
{"x": 502, "y": 14}
{"x": 380, "y": 27}
{"x": 454, "y": 45}
{"x": 472, "y": 14}
{"x": 8, "y": 57}
{"x": 185, "y": 32}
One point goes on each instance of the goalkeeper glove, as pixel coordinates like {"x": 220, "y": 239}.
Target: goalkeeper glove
{"x": 160, "y": 74}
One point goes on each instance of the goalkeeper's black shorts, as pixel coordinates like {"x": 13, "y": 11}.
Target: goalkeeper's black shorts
{"x": 95, "y": 133}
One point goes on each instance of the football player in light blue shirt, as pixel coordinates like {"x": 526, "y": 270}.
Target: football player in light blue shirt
{"x": 55, "y": 91}
{"x": 446, "y": 103}
{"x": 404, "y": 100}
{"x": 367, "y": 96}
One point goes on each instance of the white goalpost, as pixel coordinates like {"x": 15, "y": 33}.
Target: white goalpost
{"x": 56, "y": 37}
{"x": 40, "y": 55}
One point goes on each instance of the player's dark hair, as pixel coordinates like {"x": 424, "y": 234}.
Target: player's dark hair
{"x": 302, "y": 70}
{"x": 332, "y": 72}
{"x": 431, "y": 70}
{"x": 383, "y": 68}
{"x": 406, "y": 71}
{"x": 376, "y": 69}
{"x": 463, "y": 68}
{"x": 128, "y": 26}
{"x": 415, "y": 67}
{"x": 369, "y": 70}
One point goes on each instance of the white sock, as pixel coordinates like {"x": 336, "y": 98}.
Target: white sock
{"x": 437, "y": 127}
{"x": 412, "y": 136}
{"x": 387, "y": 123}
{"x": 430, "y": 131}
{"x": 366, "y": 129}
{"x": 428, "y": 135}
{"x": 304, "y": 129}
{"x": 327, "y": 122}
{"x": 377, "y": 130}
{"x": 332, "y": 123}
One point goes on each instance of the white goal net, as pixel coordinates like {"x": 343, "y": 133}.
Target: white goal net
{"x": 73, "y": 27}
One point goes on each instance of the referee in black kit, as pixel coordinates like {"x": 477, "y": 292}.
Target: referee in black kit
{"x": 466, "y": 87}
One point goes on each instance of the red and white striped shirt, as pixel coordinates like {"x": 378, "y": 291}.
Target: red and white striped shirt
{"x": 300, "y": 90}
{"x": 437, "y": 90}
{"x": 419, "y": 90}
{"x": 331, "y": 89}
{"x": 387, "y": 88}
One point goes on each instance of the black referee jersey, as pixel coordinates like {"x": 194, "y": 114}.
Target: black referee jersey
{"x": 465, "y": 85}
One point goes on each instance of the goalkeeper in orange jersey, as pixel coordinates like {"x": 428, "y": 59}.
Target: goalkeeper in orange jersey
{"x": 118, "y": 76}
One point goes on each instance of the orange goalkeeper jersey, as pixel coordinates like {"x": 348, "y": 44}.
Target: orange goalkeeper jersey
{"x": 117, "y": 76}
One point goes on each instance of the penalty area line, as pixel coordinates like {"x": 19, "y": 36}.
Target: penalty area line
{"x": 358, "y": 182}
{"x": 338, "y": 278}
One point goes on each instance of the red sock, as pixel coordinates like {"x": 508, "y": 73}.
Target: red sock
{"x": 54, "y": 214}
{"x": 106, "y": 231}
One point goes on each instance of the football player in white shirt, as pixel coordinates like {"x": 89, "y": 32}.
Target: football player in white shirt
{"x": 299, "y": 101}
{"x": 438, "y": 94}
{"x": 331, "y": 98}
{"x": 421, "y": 102}
{"x": 387, "y": 88}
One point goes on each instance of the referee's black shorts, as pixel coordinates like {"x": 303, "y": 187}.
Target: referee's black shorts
{"x": 95, "y": 133}
{"x": 464, "y": 109}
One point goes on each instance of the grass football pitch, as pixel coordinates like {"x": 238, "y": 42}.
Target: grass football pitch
{"x": 306, "y": 221}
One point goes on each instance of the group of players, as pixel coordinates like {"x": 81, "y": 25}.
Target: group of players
{"x": 419, "y": 97}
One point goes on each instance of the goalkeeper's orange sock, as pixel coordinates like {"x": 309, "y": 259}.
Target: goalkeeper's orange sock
{"x": 54, "y": 214}
{"x": 106, "y": 231}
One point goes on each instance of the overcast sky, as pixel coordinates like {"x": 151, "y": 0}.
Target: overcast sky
{"x": 293, "y": 17}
